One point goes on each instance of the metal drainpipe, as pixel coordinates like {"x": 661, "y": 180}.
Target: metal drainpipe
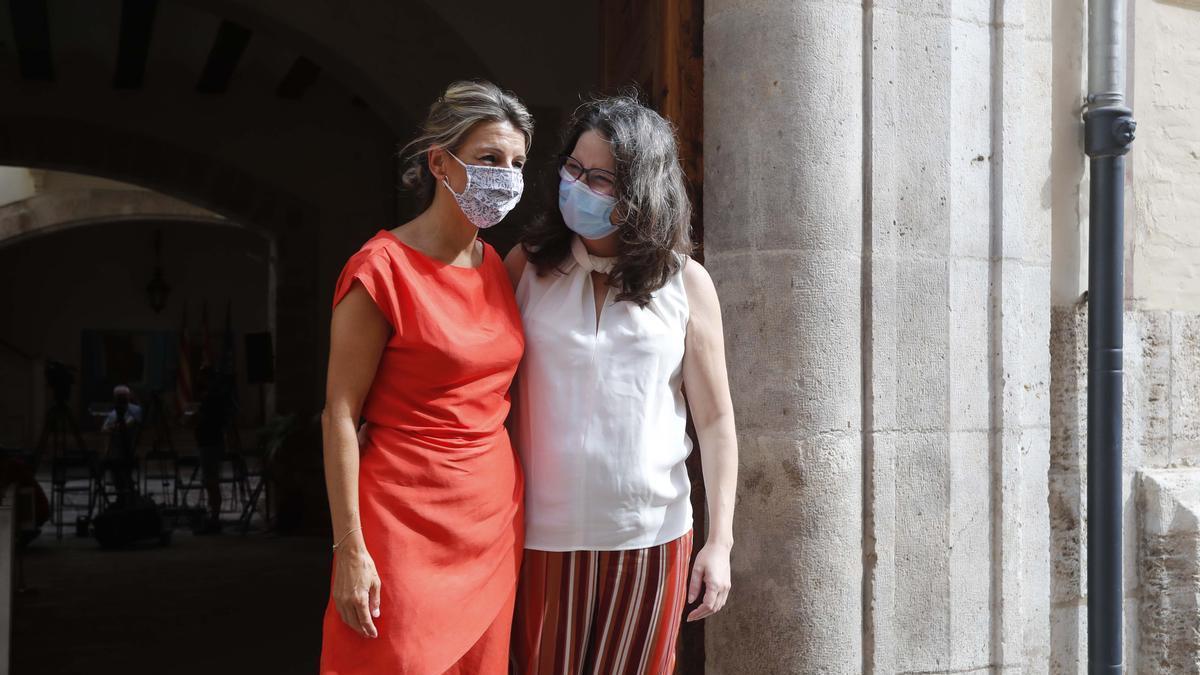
{"x": 1108, "y": 131}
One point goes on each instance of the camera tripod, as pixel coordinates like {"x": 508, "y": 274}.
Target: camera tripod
{"x": 61, "y": 439}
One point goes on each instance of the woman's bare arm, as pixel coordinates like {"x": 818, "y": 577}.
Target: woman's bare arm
{"x": 358, "y": 335}
{"x": 514, "y": 262}
{"x": 707, "y": 383}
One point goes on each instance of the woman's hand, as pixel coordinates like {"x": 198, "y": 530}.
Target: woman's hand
{"x": 711, "y": 570}
{"x": 356, "y": 587}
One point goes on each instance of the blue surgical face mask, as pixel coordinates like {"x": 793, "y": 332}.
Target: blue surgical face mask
{"x": 587, "y": 213}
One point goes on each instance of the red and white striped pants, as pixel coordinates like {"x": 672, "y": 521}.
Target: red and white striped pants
{"x": 601, "y": 612}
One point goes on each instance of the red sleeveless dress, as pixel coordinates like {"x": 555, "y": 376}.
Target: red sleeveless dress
{"x": 440, "y": 486}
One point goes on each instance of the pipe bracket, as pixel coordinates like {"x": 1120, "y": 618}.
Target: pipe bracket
{"x": 1108, "y": 131}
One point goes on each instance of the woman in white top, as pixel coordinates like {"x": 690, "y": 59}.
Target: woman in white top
{"x": 619, "y": 322}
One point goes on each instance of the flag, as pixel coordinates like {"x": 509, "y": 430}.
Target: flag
{"x": 225, "y": 373}
{"x": 228, "y": 362}
{"x": 206, "y": 355}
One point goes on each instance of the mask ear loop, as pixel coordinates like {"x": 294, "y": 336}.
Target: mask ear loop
{"x": 446, "y": 179}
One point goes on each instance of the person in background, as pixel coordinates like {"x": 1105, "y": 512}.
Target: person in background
{"x": 122, "y": 425}
{"x": 124, "y": 409}
{"x": 213, "y": 417}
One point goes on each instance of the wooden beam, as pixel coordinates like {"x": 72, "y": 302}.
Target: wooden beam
{"x": 298, "y": 79}
{"x": 31, "y": 31}
{"x": 223, "y": 58}
{"x": 137, "y": 27}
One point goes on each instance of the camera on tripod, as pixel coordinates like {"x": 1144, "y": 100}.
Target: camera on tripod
{"x": 60, "y": 378}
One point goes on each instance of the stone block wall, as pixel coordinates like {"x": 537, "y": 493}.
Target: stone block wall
{"x": 1169, "y": 570}
{"x": 878, "y": 226}
{"x": 1161, "y": 489}
{"x": 1162, "y": 343}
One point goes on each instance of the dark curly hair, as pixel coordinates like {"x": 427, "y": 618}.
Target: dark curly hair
{"x": 652, "y": 199}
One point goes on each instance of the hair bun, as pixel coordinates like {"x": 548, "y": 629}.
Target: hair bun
{"x": 413, "y": 175}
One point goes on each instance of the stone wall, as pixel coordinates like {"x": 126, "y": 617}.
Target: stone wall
{"x": 877, "y": 219}
{"x": 1165, "y": 161}
{"x": 783, "y": 241}
{"x": 1169, "y": 570}
{"x": 1068, "y": 490}
{"x": 1162, "y": 353}
{"x": 1161, "y": 452}
{"x": 959, "y": 300}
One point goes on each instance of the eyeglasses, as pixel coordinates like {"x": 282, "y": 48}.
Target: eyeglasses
{"x": 597, "y": 180}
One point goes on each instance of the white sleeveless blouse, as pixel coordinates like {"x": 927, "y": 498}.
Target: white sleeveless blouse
{"x": 600, "y": 414}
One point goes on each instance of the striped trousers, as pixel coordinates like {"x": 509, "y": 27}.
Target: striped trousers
{"x": 600, "y": 612}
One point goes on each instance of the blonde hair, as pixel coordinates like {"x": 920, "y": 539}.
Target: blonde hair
{"x": 451, "y": 118}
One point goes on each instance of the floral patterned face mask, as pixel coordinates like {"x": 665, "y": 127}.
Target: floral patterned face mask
{"x": 491, "y": 192}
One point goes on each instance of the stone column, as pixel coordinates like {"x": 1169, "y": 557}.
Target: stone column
{"x": 783, "y": 240}
{"x": 957, "y": 293}
{"x": 876, "y": 227}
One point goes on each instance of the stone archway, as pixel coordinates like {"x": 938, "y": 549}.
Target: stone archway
{"x": 44, "y": 214}
{"x": 82, "y": 228}
{"x": 212, "y": 187}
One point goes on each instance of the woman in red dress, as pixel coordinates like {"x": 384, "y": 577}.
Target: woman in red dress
{"x": 425, "y": 339}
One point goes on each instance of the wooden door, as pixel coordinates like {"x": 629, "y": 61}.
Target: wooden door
{"x": 657, "y": 46}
